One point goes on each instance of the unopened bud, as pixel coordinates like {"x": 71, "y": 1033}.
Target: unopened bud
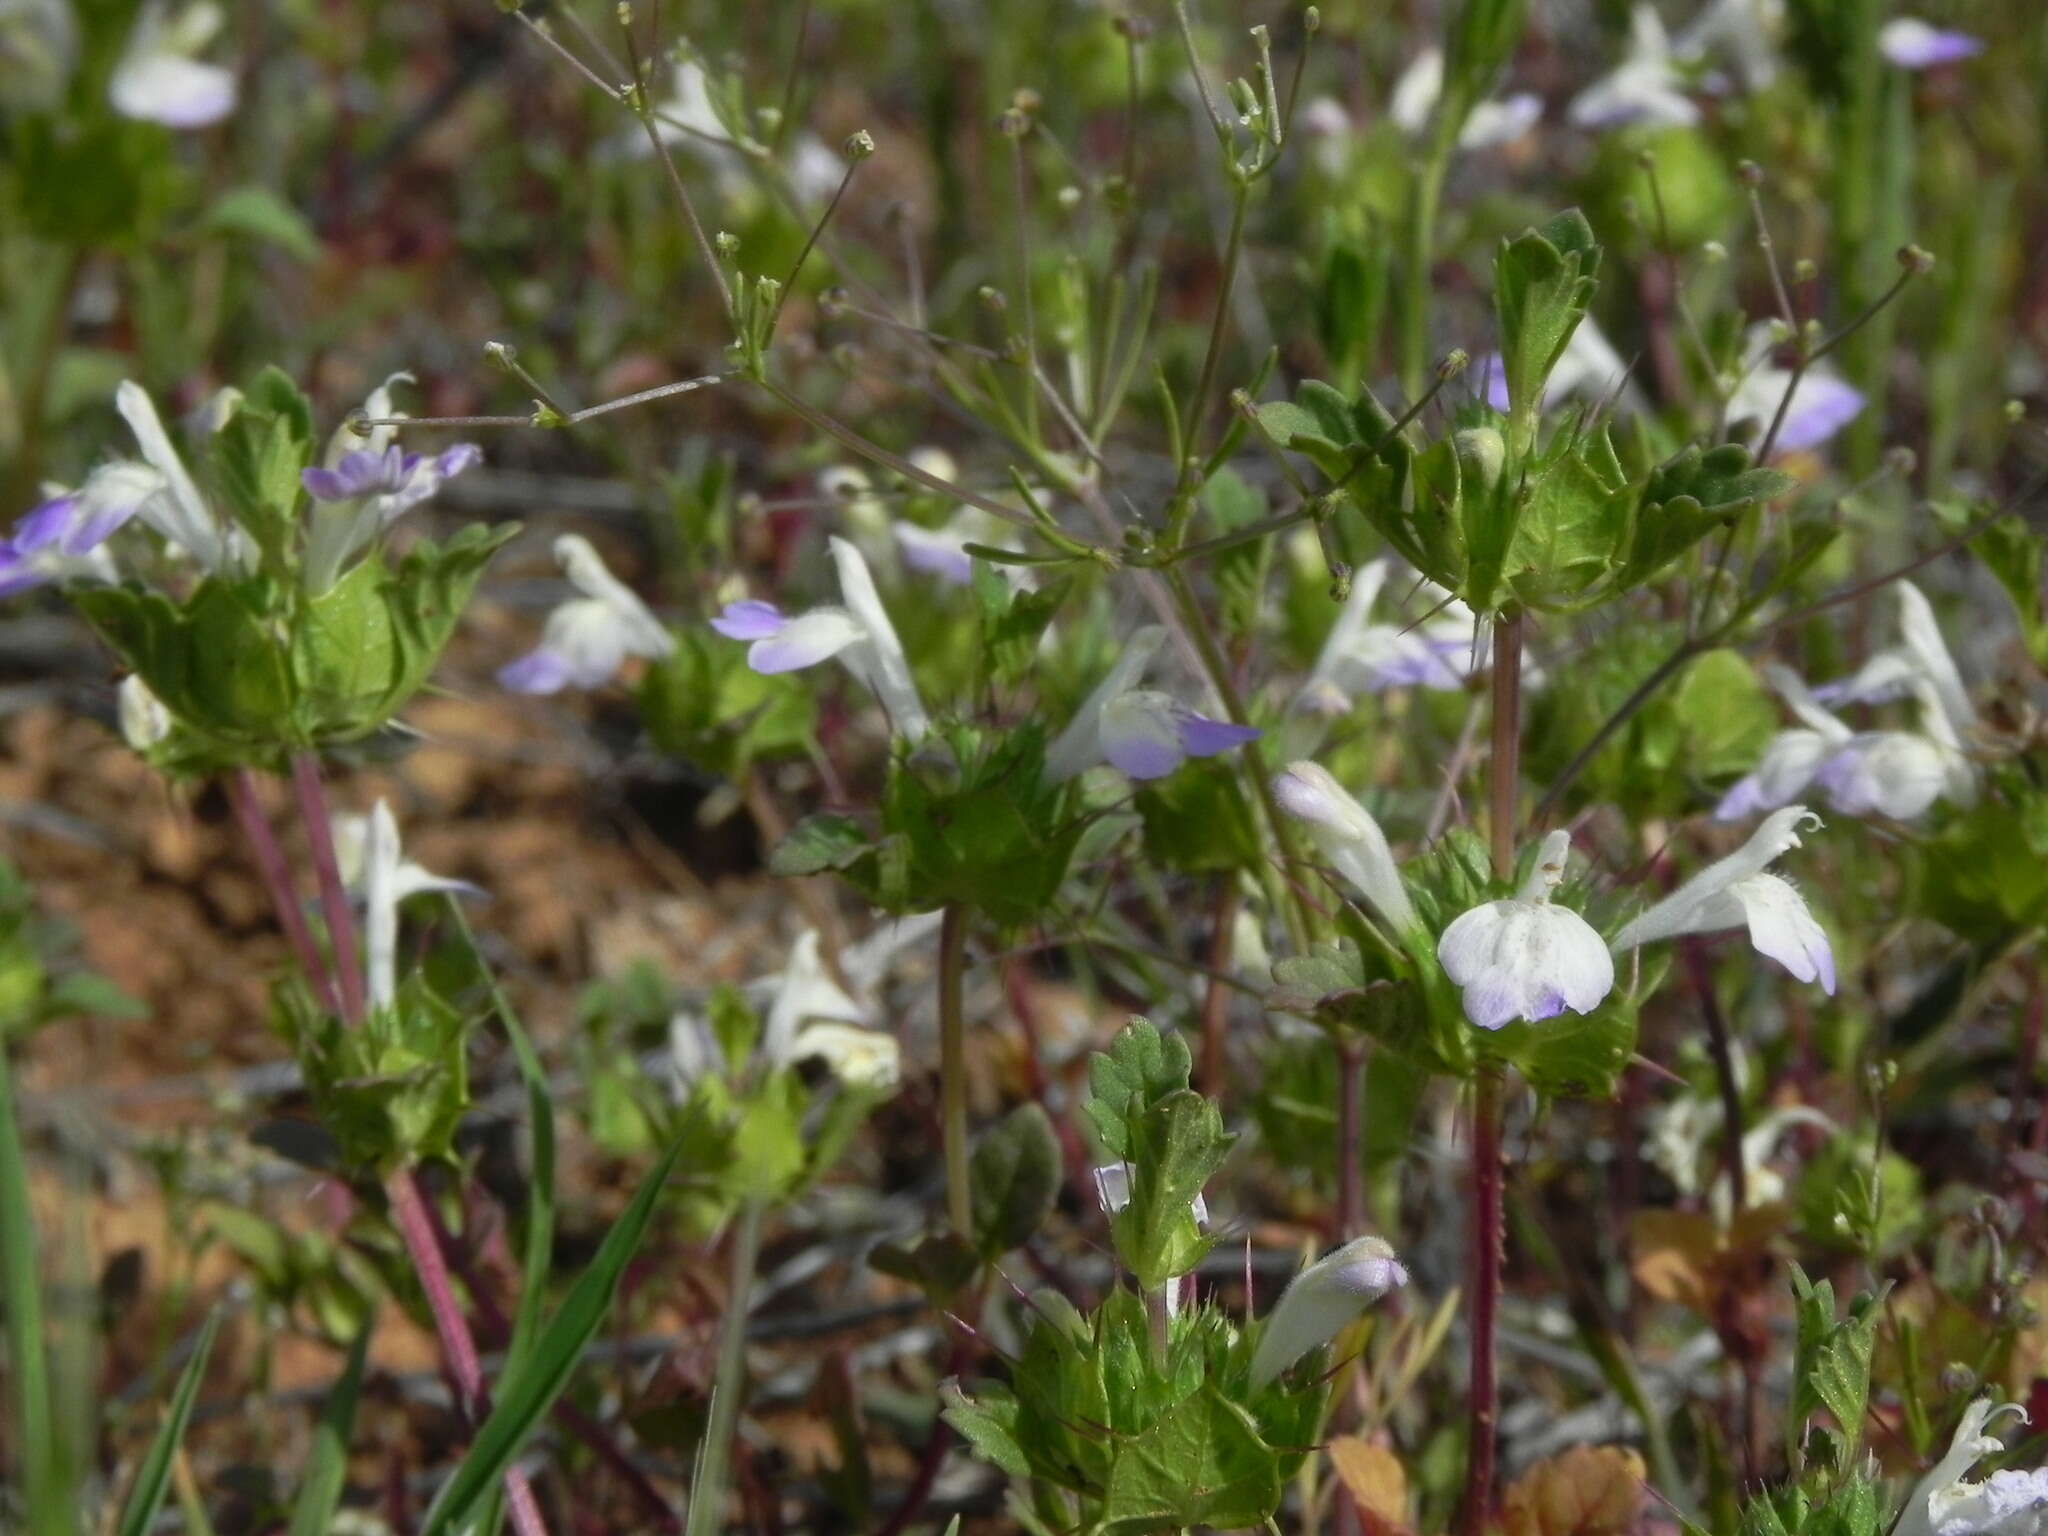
{"x": 1915, "y": 260}
{"x": 1804, "y": 270}
{"x": 832, "y": 303}
{"x": 1453, "y": 363}
{"x": 1957, "y": 1379}
{"x": 1311, "y": 21}
{"x": 1749, "y": 173}
{"x": 727, "y": 242}
{"x": 1901, "y": 461}
{"x": 858, "y": 146}
{"x": 1322, "y": 1301}
{"x": 500, "y": 354}
{"x": 992, "y": 299}
{"x": 1136, "y": 28}
{"x": 1645, "y": 160}
{"x": 1713, "y": 253}
{"x": 1068, "y": 197}
{"x": 1246, "y": 100}
{"x": 2015, "y": 411}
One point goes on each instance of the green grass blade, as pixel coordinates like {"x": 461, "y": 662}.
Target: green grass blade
{"x": 51, "y": 1510}
{"x": 526, "y": 1395}
{"x": 327, "y": 1467}
{"x": 146, "y": 1497}
{"x": 538, "y": 1257}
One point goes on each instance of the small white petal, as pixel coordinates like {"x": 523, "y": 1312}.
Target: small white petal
{"x": 1347, "y": 835}
{"x": 180, "y": 514}
{"x": 1886, "y": 773}
{"x": 144, "y": 720}
{"x": 886, "y": 668}
{"x": 1079, "y": 747}
{"x": 859, "y": 1058}
{"x": 1692, "y": 907}
{"x": 176, "y": 92}
{"x": 806, "y": 640}
{"x": 1322, "y": 1301}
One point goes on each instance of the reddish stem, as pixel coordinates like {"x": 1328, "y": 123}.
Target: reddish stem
{"x": 1216, "y": 1001}
{"x": 1489, "y": 1236}
{"x": 341, "y": 928}
{"x": 277, "y": 879}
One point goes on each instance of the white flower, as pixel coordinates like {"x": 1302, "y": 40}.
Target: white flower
{"x": 1359, "y": 656}
{"x": 1910, "y": 43}
{"x": 867, "y": 1059}
{"x": 1488, "y": 125}
{"x": 159, "y": 81}
{"x": 144, "y": 720}
{"x": 2009, "y": 1503}
{"x": 804, "y": 992}
{"x": 588, "y": 638}
{"x": 1524, "y": 958}
{"x": 1684, "y": 1136}
{"x": 367, "y": 852}
{"x": 1113, "y": 1193}
{"x": 1140, "y": 732}
{"x": 1322, "y": 1301}
{"x": 1346, "y": 835}
{"x": 1822, "y": 404}
{"x": 1898, "y": 774}
{"x": 1736, "y": 891}
{"x": 1744, "y": 29}
{"x": 159, "y": 490}
{"x": 859, "y": 634}
{"x": 1645, "y": 88}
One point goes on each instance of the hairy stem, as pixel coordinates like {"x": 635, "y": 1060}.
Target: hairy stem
{"x": 714, "y": 1461}
{"x": 1350, "y": 1140}
{"x": 1489, "y": 1235}
{"x": 277, "y": 880}
{"x": 1216, "y": 1000}
{"x": 1505, "y": 779}
{"x": 341, "y": 928}
{"x": 953, "y": 1067}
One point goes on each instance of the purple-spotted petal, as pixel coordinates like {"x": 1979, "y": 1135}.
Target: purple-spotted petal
{"x": 749, "y": 619}
{"x": 1912, "y": 44}
{"x": 1202, "y": 737}
{"x": 540, "y": 671}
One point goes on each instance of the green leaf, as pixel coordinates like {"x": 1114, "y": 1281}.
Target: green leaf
{"x": 826, "y": 841}
{"x": 524, "y": 1396}
{"x": 327, "y": 1467}
{"x": 257, "y": 213}
{"x": 1176, "y": 1145}
{"x": 1831, "y": 1366}
{"x": 1015, "y": 1175}
{"x": 255, "y": 459}
{"x": 1575, "y": 1055}
{"x": 1202, "y": 1463}
{"x": 1012, "y": 623}
{"x": 1543, "y": 280}
{"x": 988, "y": 1423}
{"x": 1140, "y": 1067}
{"x": 153, "y": 1477}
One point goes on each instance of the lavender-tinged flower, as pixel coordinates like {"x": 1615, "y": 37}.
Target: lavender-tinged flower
{"x": 2007, "y": 1503}
{"x": 1736, "y": 892}
{"x": 1822, "y": 402}
{"x": 1346, "y": 835}
{"x": 859, "y": 634}
{"x": 1646, "y": 88}
{"x": 1744, "y": 29}
{"x": 1487, "y": 126}
{"x": 1322, "y": 1301}
{"x": 588, "y": 638}
{"x": 158, "y": 79}
{"x": 1360, "y": 656}
{"x": 1921, "y": 657}
{"x": 59, "y": 540}
{"x": 1140, "y": 732}
{"x": 1910, "y": 43}
{"x": 1524, "y": 958}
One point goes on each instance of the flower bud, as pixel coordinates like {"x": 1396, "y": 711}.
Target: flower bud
{"x": 859, "y": 145}
{"x": 1322, "y": 1301}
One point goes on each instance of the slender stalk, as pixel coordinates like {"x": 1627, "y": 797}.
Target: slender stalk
{"x": 1216, "y": 1001}
{"x": 714, "y": 1461}
{"x": 1489, "y": 1227}
{"x": 1350, "y": 1140}
{"x": 1428, "y": 192}
{"x": 341, "y": 928}
{"x": 1489, "y": 1234}
{"x": 953, "y": 1067}
{"x": 1505, "y": 781}
{"x": 277, "y": 880}
{"x": 1212, "y": 354}
{"x": 37, "y": 1461}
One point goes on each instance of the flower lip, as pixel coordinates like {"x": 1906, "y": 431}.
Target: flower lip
{"x": 750, "y": 619}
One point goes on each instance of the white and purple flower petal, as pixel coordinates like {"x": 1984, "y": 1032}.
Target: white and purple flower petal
{"x": 749, "y": 618}
{"x": 804, "y": 641}
{"x": 588, "y": 638}
{"x": 157, "y": 79}
{"x": 1524, "y": 958}
{"x": 1910, "y": 43}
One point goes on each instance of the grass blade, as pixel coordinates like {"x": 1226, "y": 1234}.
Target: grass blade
{"x": 48, "y": 1505}
{"x": 146, "y": 1497}
{"x": 327, "y": 1467}
{"x": 526, "y": 1395}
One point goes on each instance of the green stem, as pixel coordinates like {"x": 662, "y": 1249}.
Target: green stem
{"x": 49, "y": 1509}
{"x": 1212, "y": 356}
{"x": 714, "y": 1462}
{"x": 953, "y": 1067}
{"x": 1428, "y": 193}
